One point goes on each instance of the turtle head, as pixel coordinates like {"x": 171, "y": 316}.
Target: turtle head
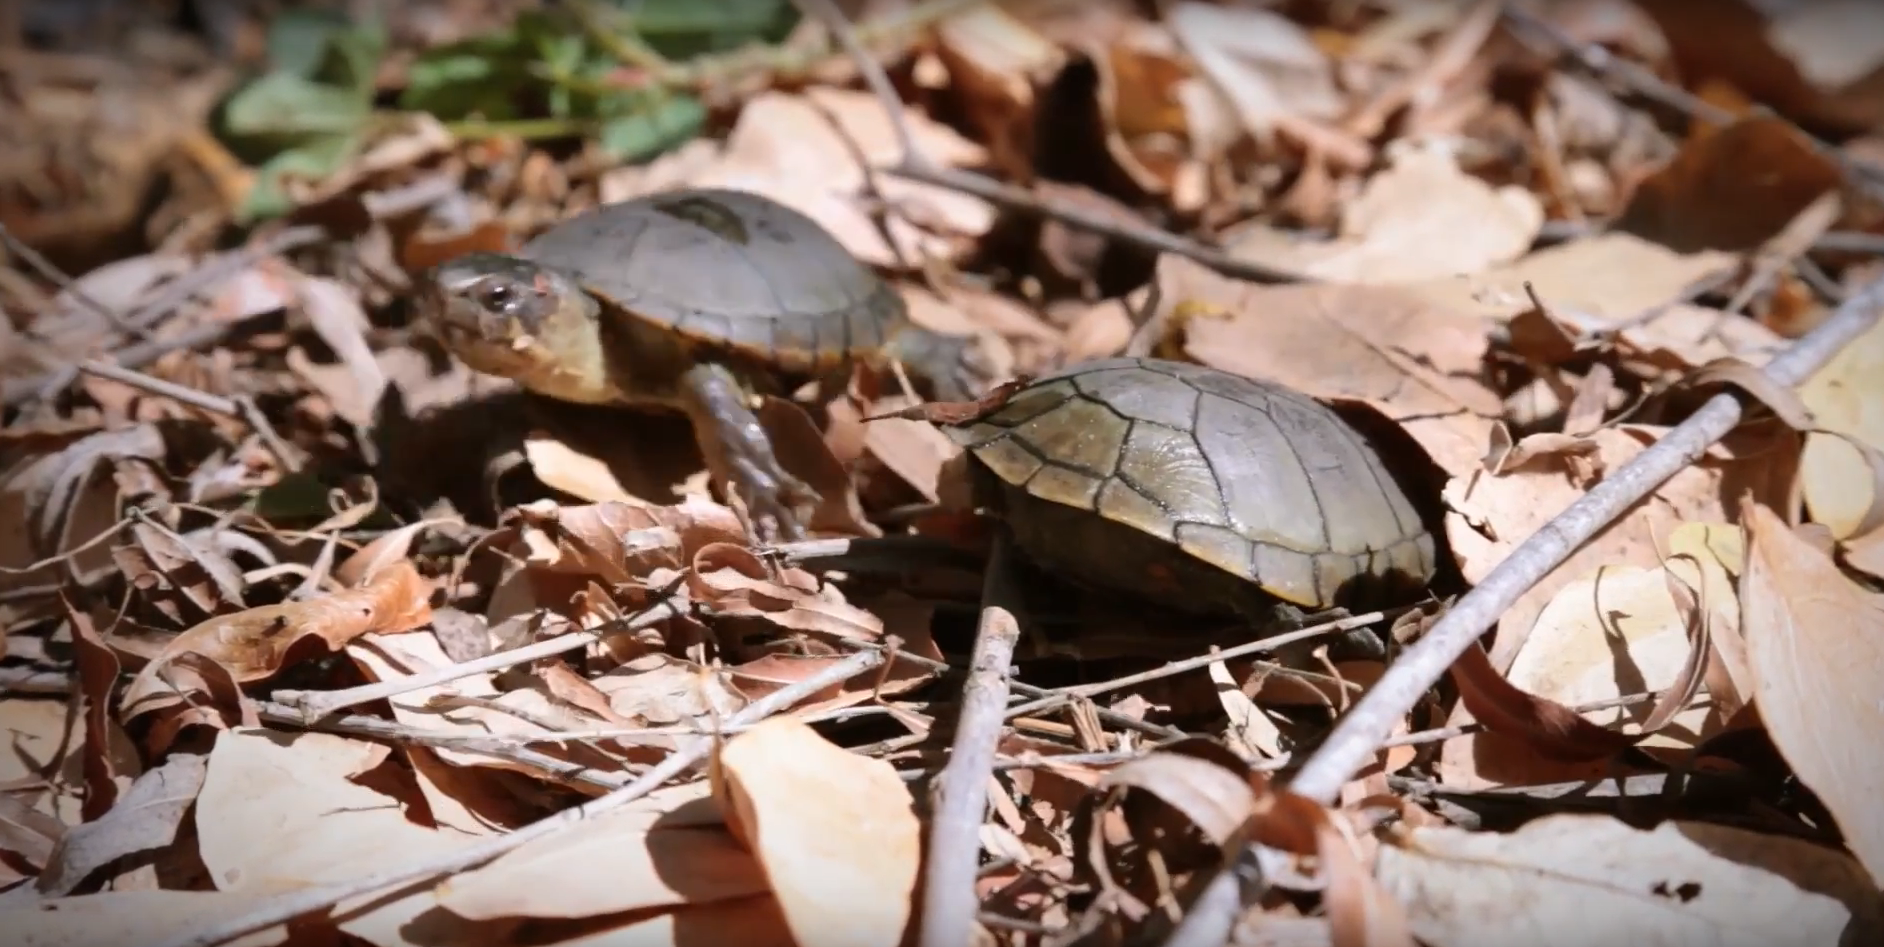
{"x": 518, "y": 319}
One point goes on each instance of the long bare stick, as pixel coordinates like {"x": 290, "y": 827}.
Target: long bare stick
{"x": 283, "y": 908}
{"x": 949, "y": 901}
{"x": 1360, "y": 733}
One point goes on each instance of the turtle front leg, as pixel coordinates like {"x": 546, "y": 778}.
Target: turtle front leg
{"x": 737, "y": 451}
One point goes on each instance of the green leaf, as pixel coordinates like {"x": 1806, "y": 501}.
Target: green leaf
{"x": 328, "y": 48}
{"x": 314, "y": 159}
{"x": 658, "y": 125}
{"x": 297, "y": 40}
{"x": 725, "y": 23}
{"x": 285, "y": 107}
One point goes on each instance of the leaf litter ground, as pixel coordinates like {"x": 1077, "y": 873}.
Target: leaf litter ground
{"x": 301, "y": 614}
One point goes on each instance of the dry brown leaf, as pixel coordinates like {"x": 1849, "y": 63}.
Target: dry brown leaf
{"x": 1815, "y": 646}
{"x": 335, "y": 312}
{"x": 1514, "y": 506}
{"x": 622, "y": 541}
{"x": 1546, "y": 727}
{"x": 1565, "y": 880}
{"x": 283, "y": 811}
{"x": 1597, "y": 280}
{"x": 1263, "y": 64}
{"x": 1612, "y": 634}
{"x": 1381, "y": 345}
{"x": 662, "y": 851}
{"x": 1817, "y": 62}
{"x": 1421, "y": 219}
{"x": 836, "y": 832}
{"x": 1731, "y": 190}
{"x": 146, "y": 818}
{"x": 783, "y": 140}
{"x": 661, "y": 691}
{"x": 471, "y": 705}
{"x": 251, "y": 644}
{"x": 128, "y": 917}
{"x": 996, "y": 64}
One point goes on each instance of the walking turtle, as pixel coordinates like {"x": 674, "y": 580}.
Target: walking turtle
{"x": 1208, "y": 492}
{"x": 694, "y": 300}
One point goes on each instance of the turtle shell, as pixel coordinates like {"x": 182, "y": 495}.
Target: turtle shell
{"x": 1197, "y": 487}
{"x": 727, "y": 270}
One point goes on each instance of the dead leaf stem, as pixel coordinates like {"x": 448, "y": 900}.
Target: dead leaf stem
{"x": 287, "y": 906}
{"x": 950, "y": 901}
{"x": 1359, "y": 734}
{"x": 916, "y": 165}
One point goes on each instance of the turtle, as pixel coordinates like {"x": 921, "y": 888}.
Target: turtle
{"x": 1206, "y": 491}
{"x": 695, "y": 300}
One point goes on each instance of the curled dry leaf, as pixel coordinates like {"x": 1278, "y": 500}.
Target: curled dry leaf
{"x": 1817, "y": 659}
{"x": 734, "y": 580}
{"x": 1515, "y": 505}
{"x": 1839, "y": 478}
{"x": 836, "y": 832}
{"x": 250, "y": 645}
{"x": 1572, "y": 880}
{"x": 621, "y": 541}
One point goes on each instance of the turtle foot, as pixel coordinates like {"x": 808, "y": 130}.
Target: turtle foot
{"x": 740, "y": 455}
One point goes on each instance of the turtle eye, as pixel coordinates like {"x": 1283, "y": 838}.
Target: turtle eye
{"x": 497, "y": 295}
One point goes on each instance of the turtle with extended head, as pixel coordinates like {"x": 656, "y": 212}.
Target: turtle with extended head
{"x": 694, "y": 300}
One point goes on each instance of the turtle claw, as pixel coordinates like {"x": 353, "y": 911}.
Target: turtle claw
{"x": 772, "y": 496}
{"x": 740, "y": 455}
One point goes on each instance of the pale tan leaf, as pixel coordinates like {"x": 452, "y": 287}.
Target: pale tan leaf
{"x": 1815, "y": 645}
{"x": 1572, "y": 880}
{"x": 836, "y": 832}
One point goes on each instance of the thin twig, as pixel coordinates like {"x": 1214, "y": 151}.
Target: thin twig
{"x": 379, "y": 728}
{"x": 317, "y": 704}
{"x": 949, "y": 900}
{"x": 1044, "y": 695}
{"x": 1358, "y": 735}
{"x": 52, "y": 274}
{"x": 173, "y": 295}
{"x": 285, "y": 907}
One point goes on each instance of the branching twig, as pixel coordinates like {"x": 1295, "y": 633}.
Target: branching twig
{"x": 281, "y": 908}
{"x": 1359, "y": 734}
{"x": 949, "y": 902}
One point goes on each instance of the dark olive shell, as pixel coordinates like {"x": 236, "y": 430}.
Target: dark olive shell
{"x": 1197, "y": 486}
{"x": 728, "y": 269}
